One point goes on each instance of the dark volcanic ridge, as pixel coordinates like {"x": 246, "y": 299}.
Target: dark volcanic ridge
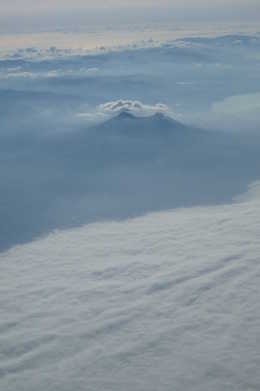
{"x": 156, "y": 125}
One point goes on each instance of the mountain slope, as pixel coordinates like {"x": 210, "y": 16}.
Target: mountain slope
{"x": 157, "y": 126}
{"x": 126, "y": 166}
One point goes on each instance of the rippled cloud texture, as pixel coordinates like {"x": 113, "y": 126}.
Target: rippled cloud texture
{"x": 137, "y": 304}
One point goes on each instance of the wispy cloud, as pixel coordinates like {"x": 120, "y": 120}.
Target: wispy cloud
{"x": 55, "y": 73}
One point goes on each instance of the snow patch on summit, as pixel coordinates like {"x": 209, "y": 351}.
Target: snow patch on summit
{"x": 132, "y": 106}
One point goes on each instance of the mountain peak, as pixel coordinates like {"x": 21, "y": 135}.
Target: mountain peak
{"x": 126, "y": 114}
{"x": 158, "y": 125}
{"x": 159, "y": 115}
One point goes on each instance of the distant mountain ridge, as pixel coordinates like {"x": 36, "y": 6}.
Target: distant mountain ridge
{"x": 156, "y": 125}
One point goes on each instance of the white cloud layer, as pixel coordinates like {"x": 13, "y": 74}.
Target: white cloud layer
{"x": 238, "y": 105}
{"x": 137, "y": 303}
{"x": 54, "y": 73}
{"x": 237, "y": 113}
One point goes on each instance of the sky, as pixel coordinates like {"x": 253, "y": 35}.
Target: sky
{"x": 28, "y": 6}
{"x": 50, "y": 14}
